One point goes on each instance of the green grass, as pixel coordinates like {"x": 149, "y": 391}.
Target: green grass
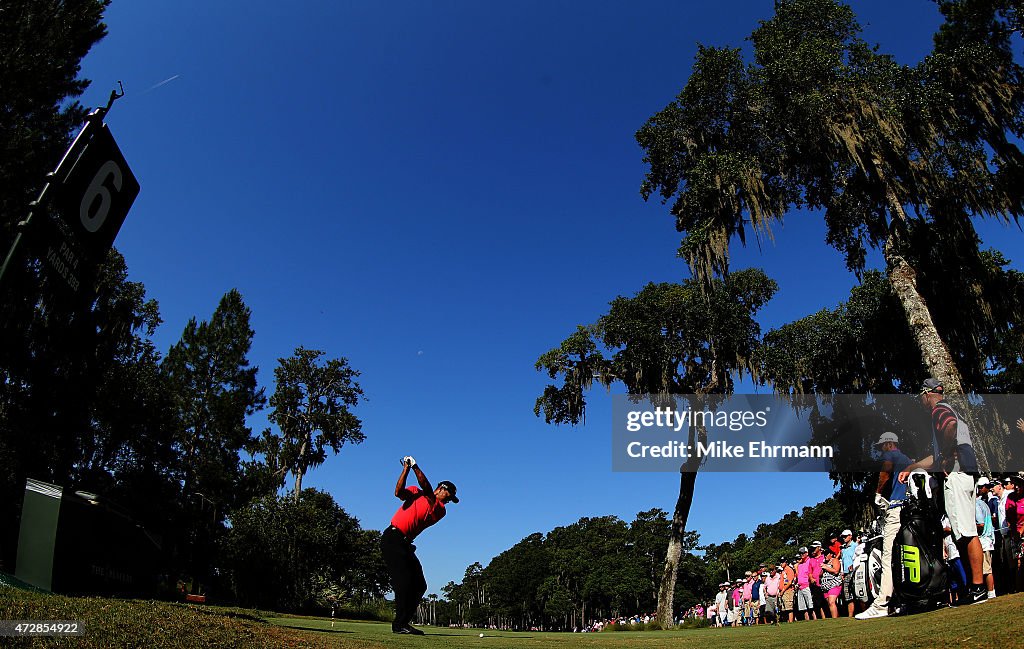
{"x": 984, "y": 625}
{"x": 131, "y": 623}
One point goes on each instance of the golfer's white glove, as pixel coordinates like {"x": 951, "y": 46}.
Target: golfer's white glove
{"x": 409, "y": 461}
{"x": 881, "y": 501}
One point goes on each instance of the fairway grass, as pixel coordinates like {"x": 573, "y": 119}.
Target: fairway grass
{"x": 131, "y": 623}
{"x": 982, "y": 625}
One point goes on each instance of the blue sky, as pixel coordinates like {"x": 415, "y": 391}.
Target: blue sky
{"x": 441, "y": 192}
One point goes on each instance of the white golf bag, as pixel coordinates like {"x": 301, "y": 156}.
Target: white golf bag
{"x": 867, "y": 570}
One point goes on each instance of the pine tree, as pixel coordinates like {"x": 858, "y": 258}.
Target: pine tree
{"x": 212, "y": 390}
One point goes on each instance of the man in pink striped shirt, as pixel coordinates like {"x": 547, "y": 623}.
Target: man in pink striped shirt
{"x": 816, "y": 558}
{"x": 804, "y": 601}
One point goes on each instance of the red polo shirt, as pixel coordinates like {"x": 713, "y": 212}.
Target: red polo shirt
{"x": 417, "y": 514}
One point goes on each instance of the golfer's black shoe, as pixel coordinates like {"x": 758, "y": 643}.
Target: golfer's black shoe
{"x": 977, "y": 595}
{"x": 406, "y": 630}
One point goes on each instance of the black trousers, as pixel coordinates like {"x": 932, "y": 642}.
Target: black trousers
{"x": 406, "y": 575}
{"x": 1001, "y": 561}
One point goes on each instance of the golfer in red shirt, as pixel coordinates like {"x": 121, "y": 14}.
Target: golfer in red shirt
{"x": 421, "y": 507}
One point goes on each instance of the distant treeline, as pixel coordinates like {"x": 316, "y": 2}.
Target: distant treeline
{"x": 604, "y": 568}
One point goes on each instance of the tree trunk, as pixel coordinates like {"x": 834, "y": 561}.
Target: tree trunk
{"x": 903, "y": 279}
{"x": 298, "y": 486}
{"x": 934, "y": 352}
{"x": 687, "y": 479}
{"x": 299, "y": 470}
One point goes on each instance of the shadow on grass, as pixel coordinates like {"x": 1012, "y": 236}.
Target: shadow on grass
{"x": 202, "y": 610}
{"x": 312, "y": 629}
{"x": 463, "y": 635}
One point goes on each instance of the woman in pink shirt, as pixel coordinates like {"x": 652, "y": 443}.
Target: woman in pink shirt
{"x": 1020, "y": 514}
{"x": 831, "y": 581}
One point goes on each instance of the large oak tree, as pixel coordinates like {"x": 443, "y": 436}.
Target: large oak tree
{"x": 666, "y": 341}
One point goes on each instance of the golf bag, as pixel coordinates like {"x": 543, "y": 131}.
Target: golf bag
{"x": 920, "y": 580}
{"x": 867, "y": 568}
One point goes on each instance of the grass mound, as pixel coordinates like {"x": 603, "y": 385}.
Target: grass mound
{"x": 112, "y": 623}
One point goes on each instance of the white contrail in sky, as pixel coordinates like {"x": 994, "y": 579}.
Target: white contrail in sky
{"x": 162, "y": 83}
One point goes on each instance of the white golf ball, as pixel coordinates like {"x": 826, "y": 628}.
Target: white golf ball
{"x": 481, "y": 635}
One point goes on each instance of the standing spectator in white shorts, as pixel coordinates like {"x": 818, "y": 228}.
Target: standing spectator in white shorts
{"x": 721, "y": 605}
{"x": 953, "y": 454}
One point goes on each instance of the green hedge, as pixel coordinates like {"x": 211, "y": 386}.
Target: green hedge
{"x": 650, "y": 626}
{"x": 379, "y": 611}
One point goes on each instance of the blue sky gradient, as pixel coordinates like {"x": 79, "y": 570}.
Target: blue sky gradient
{"x": 441, "y": 192}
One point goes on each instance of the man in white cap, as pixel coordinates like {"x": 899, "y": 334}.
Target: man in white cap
{"x": 847, "y": 557}
{"x": 894, "y": 462}
{"x": 986, "y": 533}
{"x": 815, "y": 558}
{"x": 721, "y": 607}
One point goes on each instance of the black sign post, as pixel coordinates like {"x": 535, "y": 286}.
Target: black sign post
{"x": 92, "y": 189}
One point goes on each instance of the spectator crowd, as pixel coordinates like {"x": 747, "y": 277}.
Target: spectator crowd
{"x": 818, "y": 582}
{"x": 982, "y": 521}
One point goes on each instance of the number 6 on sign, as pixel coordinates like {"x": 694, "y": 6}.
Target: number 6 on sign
{"x": 92, "y": 220}
{"x": 95, "y": 196}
